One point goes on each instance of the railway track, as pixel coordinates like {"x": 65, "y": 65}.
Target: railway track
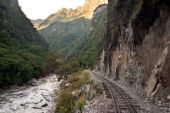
{"x": 122, "y": 102}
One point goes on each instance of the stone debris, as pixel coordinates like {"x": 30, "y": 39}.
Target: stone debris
{"x": 143, "y": 103}
{"x": 146, "y": 104}
{"x": 168, "y": 97}
{"x": 68, "y": 84}
{"x": 76, "y": 93}
{"x": 99, "y": 106}
{"x": 63, "y": 84}
{"x": 33, "y": 99}
{"x": 33, "y": 82}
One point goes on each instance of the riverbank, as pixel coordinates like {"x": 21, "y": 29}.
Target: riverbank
{"x": 31, "y": 99}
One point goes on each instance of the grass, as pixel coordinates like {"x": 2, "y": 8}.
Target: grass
{"x": 66, "y": 102}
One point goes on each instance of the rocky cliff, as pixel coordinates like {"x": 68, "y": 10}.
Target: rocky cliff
{"x": 137, "y": 46}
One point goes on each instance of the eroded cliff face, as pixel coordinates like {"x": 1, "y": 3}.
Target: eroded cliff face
{"x": 136, "y": 48}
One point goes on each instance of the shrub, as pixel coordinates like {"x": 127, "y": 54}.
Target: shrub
{"x": 67, "y": 103}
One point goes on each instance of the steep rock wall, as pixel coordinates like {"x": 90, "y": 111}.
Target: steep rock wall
{"x": 136, "y": 47}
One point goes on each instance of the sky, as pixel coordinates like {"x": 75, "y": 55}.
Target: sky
{"x": 41, "y": 9}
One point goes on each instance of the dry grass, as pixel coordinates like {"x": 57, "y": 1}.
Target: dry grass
{"x": 66, "y": 102}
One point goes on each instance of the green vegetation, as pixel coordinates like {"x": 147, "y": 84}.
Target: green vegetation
{"x": 88, "y": 51}
{"x": 18, "y": 65}
{"x": 84, "y": 53}
{"x": 79, "y": 41}
{"x": 22, "y": 49}
{"x": 57, "y": 64}
{"x": 62, "y": 36}
{"x": 66, "y": 102}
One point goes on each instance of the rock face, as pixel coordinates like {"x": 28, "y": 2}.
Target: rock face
{"x": 99, "y": 9}
{"x": 137, "y": 45}
{"x": 160, "y": 74}
{"x": 90, "y": 6}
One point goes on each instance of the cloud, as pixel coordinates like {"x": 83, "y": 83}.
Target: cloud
{"x": 41, "y": 9}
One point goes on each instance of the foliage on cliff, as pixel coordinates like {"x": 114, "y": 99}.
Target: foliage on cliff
{"x": 79, "y": 40}
{"x": 63, "y": 36}
{"x": 89, "y": 50}
{"x": 55, "y": 63}
{"x": 22, "y": 49}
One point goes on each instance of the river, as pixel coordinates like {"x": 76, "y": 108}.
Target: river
{"x": 31, "y": 99}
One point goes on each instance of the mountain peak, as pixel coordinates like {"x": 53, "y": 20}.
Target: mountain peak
{"x": 65, "y": 14}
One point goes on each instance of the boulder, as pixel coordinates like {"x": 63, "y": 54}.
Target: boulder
{"x": 76, "y": 93}
{"x": 44, "y": 105}
{"x": 67, "y": 85}
{"x": 63, "y": 84}
{"x": 160, "y": 75}
{"x": 33, "y": 82}
{"x": 87, "y": 88}
{"x": 14, "y": 107}
{"x": 168, "y": 97}
{"x": 34, "y": 107}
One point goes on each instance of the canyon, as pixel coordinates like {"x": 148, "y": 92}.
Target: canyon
{"x": 123, "y": 46}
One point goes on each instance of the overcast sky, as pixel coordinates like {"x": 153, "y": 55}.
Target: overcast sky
{"x": 41, "y": 9}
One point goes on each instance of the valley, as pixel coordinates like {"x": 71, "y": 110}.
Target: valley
{"x": 101, "y": 57}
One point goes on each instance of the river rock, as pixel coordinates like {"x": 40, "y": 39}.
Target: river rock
{"x": 67, "y": 85}
{"x": 33, "y": 82}
{"x": 14, "y": 107}
{"x": 63, "y": 84}
{"x": 35, "y": 107}
{"x": 168, "y": 97}
{"x": 44, "y": 105}
{"x": 87, "y": 88}
{"x": 32, "y": 99}
{"x": 76, "y": 93}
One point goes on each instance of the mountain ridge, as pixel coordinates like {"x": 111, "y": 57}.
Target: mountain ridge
{"x": 65, "y": 14}
{"x": 36, "y": 22}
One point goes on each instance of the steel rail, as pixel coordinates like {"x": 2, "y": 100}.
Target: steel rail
{"x": 122, "y": 93}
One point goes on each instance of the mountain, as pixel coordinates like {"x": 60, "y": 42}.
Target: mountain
{"x": 64, "y": 14}
{"x": 137, "y": 47}
{"x": 88, "y": 50}
{"x": 22, "y": 49}
{"x": 37, "y": 22}
{"x": 66, "y": 28}
{"x": 62, "y": 36}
